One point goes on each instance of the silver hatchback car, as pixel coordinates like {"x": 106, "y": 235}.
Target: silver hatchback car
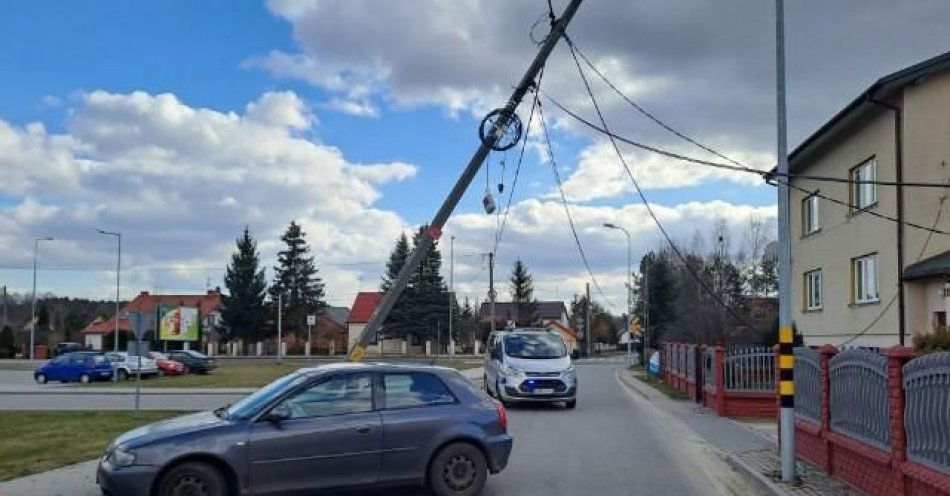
{"x": 332, "y": 426}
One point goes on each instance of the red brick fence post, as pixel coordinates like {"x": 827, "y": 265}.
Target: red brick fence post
{"x": 896, "y": 358}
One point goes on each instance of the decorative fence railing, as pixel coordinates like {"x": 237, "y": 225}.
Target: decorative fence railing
{"x": 750, "y": 368}
{"x": 859, "y": 396}
{"x": 927, "y": 410}
{"x": 709, "y": 370}
{"x": 808, "y": 384}
{"x": 691, "y": 362}
{"x": 681, "y": 359}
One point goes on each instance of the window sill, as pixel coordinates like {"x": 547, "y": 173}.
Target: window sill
{"x": 810, "y": 233}
{"x": 813, "y": 310}
{"x": 865, "y": 303}
{"x": 856, "y": 211}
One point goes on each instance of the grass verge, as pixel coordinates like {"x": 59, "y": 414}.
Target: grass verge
{"x": 35, "y": 442}
{"x": 657, "y": 384}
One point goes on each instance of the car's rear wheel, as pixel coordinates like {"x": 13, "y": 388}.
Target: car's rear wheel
{"x": 459, "y": 469}
{"x": 122, "y": 375}
{"x": 41, "y": 378}
{"x": 84, "y": 378}
{"x": 193, "y": 479}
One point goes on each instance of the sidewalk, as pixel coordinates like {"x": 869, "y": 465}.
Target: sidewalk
{"x": 749, "y": 446}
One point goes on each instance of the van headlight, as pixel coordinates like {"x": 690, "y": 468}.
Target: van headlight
{"x": 568, "y": 373}
{"x": 121, "y": 458}
{"x": 512, "y": 372}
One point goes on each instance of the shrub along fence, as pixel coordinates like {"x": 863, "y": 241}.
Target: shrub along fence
{"x": 878, "y": 421}
{"x": 737, "y": 380}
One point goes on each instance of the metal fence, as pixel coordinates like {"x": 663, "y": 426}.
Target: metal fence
{"x": 859, "y": 396}
{"x": 750, "y": 368}
{"x": 709, "y": 368}
{"x": 691, "y": 362}
{"x": 927, "y": 410}
{"x": 808, "y": 384}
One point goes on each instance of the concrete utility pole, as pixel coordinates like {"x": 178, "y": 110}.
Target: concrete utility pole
{"x": 36, "y": 247}
{"x": 451, "y": 291}
{"x": 118, "y": 272}
{"x": 587, "y": 335}
{"x": 435, "y": 227}
{"x": 491, "y": 288}
{"x": 609, "y": 225}
{"x": 786, "y": 358}
{"x": 646, "y": 315}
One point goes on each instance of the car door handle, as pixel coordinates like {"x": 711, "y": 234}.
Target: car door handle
{"x": 364, "y": 429}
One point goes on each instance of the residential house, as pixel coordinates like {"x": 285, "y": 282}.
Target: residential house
{"x": 99, "y": 334}
{"x": 859, "y": 277}
{"x": 360, "y": 313}
{"x": 568, "y": 334}
{"x": 508, "y": 312}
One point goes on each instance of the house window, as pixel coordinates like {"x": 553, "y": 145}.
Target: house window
{"x": 811, "y": 217}
{"x": 940, "y": 321}
{"x": 813, "y": 290}
{"x": 864, "y": 284}
{"x": 864, "y": 195}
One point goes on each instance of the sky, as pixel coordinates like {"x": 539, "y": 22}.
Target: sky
{"x": 177, "y": 123}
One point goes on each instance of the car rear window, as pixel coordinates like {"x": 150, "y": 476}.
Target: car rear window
{"x": 406, "y": 390}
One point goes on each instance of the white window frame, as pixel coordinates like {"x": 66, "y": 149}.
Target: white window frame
{"x": 813, "y": 290}
{"x": 864, "y": 195}
{"x": 864, "y": 282}
{"x": 811, "y": 215}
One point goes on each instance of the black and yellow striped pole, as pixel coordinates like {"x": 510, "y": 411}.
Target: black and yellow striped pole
{"x": 786, "y": 384}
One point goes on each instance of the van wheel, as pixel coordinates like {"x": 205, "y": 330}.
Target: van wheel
{"x": 485, "y": 385}
{"x": 84, "y": 378}
{"x": 122, "y": 375}
{"x": 193, "y": 479}
{"x": 499, "y": 397}
{"x": 459, "y": 469}
{"x": 571, "y": 404}
{"x": 41, "y": 378}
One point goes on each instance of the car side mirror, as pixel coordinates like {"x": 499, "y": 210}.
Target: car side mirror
{"x": 277, "y": 414}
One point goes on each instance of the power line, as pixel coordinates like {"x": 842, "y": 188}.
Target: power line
{"x": 643, "y": 198}
{"x": 567, "y": 210}
{"x": 741, "y": 166}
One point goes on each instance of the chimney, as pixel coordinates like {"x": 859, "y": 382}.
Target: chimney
{"x": 143, "y": 293}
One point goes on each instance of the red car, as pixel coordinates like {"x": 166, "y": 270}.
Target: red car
{"x": 166, "y": 366}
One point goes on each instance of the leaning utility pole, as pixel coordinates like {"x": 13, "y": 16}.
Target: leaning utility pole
{"x": 786, "y": 358}
{"x": 506, "y": 119}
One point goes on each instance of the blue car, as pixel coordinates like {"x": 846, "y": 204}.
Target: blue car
{"x": 81, "y": 367}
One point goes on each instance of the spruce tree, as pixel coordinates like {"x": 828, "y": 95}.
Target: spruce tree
{"x": 242, "y": 312}
{"x": 429, "y": 303}
{"x": 522, "y": 295}
{"x": 398, "y": 320}
{"x": 296, "y": 280}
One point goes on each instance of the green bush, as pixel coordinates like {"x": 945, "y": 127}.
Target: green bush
{"x": 932, "y": 342}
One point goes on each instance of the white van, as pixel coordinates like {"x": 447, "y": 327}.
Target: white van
{"x": 529, "y": 365}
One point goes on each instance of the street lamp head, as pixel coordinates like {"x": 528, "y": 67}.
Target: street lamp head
{"x": 110, "y": 233}
{"x": 44, "y": 238}
{"x": 610, "y": 225}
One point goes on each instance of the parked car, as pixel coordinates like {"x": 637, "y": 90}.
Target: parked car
{"x": 66, "y": 347}
{"x": 166, "y": 366}
{"x": 193, "y": 361}
{"x": 322, "y": 428}
{"x": 529, "y": 365}
{"x": 127, "y": 365}
{"x": 83, "y": 367}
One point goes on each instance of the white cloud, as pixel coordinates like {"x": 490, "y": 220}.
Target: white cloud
{"x": 353, "y": 107}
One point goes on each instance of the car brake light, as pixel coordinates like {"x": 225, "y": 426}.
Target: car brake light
{"x": 502, "y": 416}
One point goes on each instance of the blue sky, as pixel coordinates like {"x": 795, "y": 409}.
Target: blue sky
{"x": 277, "y": 82}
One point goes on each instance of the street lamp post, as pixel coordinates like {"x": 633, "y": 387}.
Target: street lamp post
{"x": 118, "y": 273}
{"x": 610, "y": 225}
{"x": 36, "y": 246}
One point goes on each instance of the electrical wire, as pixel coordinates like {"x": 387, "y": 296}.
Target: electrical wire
{"x": 646, "y": 203}
{"x": 567, "y": 210}
{"x": 741, "y": 166}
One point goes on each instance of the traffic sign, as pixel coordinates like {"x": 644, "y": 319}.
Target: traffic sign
{"x": 311, "y": 320}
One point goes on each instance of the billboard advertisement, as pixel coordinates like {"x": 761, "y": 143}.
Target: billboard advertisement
{"x": 179, "y": 324}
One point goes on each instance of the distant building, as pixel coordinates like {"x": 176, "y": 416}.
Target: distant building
{"x": 100, "y": 331}
{"x": 508, "y": 311}
{"x": 857, "y": 277}
{"x": 360, "y": 313}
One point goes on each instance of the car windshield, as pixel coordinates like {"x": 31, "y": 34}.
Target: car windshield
{"x": 250, "y": 405}
{"x": 534, "y": 346}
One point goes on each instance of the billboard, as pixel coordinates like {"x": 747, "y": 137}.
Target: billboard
{"x": 178, "y": 324}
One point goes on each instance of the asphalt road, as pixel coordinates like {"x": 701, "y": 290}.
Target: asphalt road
{"x": 614, "y": 443}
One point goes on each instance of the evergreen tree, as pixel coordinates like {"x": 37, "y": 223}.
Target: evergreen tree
{"x": 658, "y": 285}
{"x": 425, "y": 300}
{"x": 242, "y": 312}
{"x": 296, "y": 280}
{"x": 522, "y": 295}
{"x": 398, "y": 322}
{"x": 6, "y": 342}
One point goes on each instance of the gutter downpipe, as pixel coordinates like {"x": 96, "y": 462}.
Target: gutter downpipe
{"x": 899, "y": 177}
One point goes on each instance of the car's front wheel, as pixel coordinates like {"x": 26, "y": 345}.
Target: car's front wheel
{"x": 121, "y": 374}
{"x": 193, "y": 479}
{"x": 84, "y": 378}
{"x": 160, "y": 373}
{"x": 459, "y": 469}
{"x": 41, "y": 378}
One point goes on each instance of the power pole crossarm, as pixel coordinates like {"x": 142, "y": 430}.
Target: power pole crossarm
{"x": 435, "y": 227}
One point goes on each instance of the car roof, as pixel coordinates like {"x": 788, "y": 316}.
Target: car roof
{"x": 373, "y": 367}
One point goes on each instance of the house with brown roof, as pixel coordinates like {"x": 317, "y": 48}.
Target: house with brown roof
{"x": 99, "y": 334}
{"x": 361, "y": 312}
{"x": 508, "y": 312}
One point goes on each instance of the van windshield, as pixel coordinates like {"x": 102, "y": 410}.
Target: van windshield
{"x": 534, "y": 346}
